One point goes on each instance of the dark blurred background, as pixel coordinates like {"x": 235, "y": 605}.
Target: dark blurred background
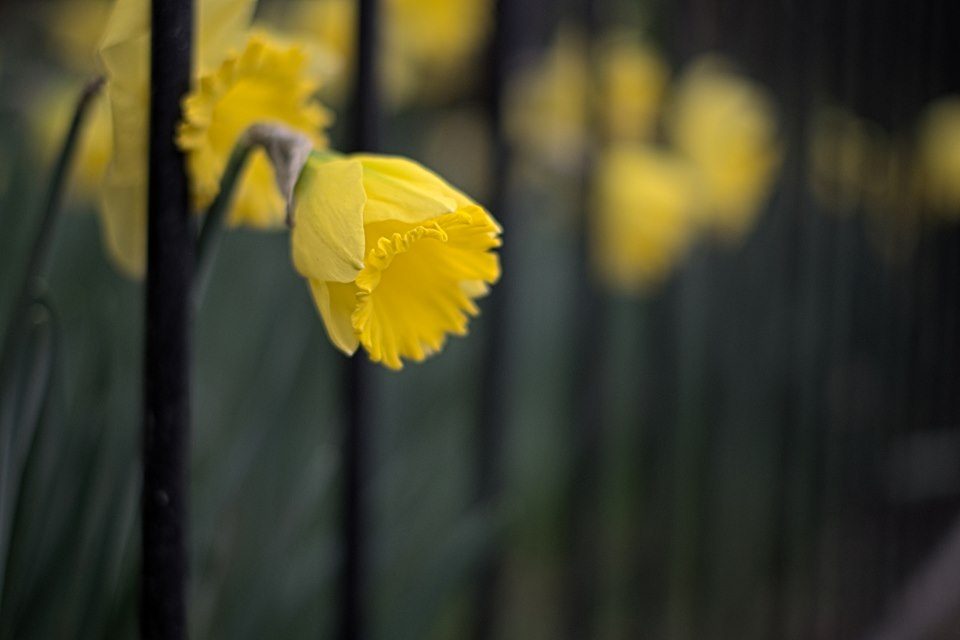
{"x": 761, "y": 440}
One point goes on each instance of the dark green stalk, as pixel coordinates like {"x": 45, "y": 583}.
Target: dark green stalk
{"x": 16, "y": 339}
{"x": 214, "y": 219}
{"x": 39, "y": 254}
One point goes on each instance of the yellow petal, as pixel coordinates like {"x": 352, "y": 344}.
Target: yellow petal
{"x": 336, "y": 302}
{"x": 402, "y": 190}
{"x": 123, "y": 197}
{"x": 223, "y": 24}
{"x": 123, "y": 223}
{"x": 130, "y": 19}
{"x": 327, "y": 238}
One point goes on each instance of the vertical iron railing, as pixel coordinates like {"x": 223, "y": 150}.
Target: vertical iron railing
{"x": 355, "y": 528}
{"x": 166, "y": 408}
{"x": 494, "y": 367}
{"x": 583, "y": 513}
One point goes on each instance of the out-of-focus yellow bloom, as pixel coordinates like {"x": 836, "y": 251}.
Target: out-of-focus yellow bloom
{"x": 427, "y": 44}
{"x": 75, "y": 27}
{"x": 125, "y": 54}
{"x": 855, "y": 163}
{"x": 263, "y": 83}
{"x": 633, "y": 80}
{"x": 546, "y": 104}
{"x": 843, "y": 151}
{"x": 395, "y": 256}
{"x": 327, "y": 29}
{"x": 49, "y": 121}
{"x": 644, "y": 219}
{"x": 939, "y": 151}
{"x": 726, "y": 125}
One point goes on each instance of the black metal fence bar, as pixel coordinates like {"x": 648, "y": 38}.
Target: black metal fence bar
{"x": 494, "y": 382}
{"x": 583, "y": 512}
{"x": 166, "y": 409}
{"x": 356, "y": 445}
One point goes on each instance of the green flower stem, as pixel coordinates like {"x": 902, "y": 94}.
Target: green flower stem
{"x": 40, "y": 252}
{"x": 14, "y": 356}
{"x": 287, "y": 151}
{"x": 217, "y": 213}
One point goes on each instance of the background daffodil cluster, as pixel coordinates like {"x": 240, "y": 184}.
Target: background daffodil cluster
{"x": 430, "y": 47}
{"x": 677, "y": 158}
{"x": 900, "y": 179}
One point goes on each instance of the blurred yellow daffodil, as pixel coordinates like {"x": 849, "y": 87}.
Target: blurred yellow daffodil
{"x": 395, "y": 257}
{"x": 427, "y": 44}
{"x": 939, "y": 156}
{"x": 266, "y": 82}
{"x": 855, "y": 164}
{"x": 726, "y": 125}
{"x": 549, "y": 102}
{"x": 125, "y": 55}
{"x": 844, "y": 151}
{"x": 644, "y": 215}
{"x": 236, "y": 85}
{"x": 546, "y": 104}
{"x": 633, "y": 79}
{"x": 326, "y": 29}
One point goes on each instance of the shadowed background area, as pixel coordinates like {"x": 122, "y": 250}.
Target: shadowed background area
{"x": 716, "y": 393}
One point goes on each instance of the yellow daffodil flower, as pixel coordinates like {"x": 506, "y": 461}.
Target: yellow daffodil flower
{"x": 939, "y": 156}
{"x": 427, "y": 44}
{"x": 326, "y": 29}
{"x": 395, "y": 257}
{"x": 843, "y": 150}
{"x": 633, "y": 79}
{"x": 263, "y": 83}
{"x": 125, "y": 55}
{"x": 645, "y": 201}
{"x": 855, "y": 164}
{"x": 546, "y": 105}
{"x": 726, "y": 125}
